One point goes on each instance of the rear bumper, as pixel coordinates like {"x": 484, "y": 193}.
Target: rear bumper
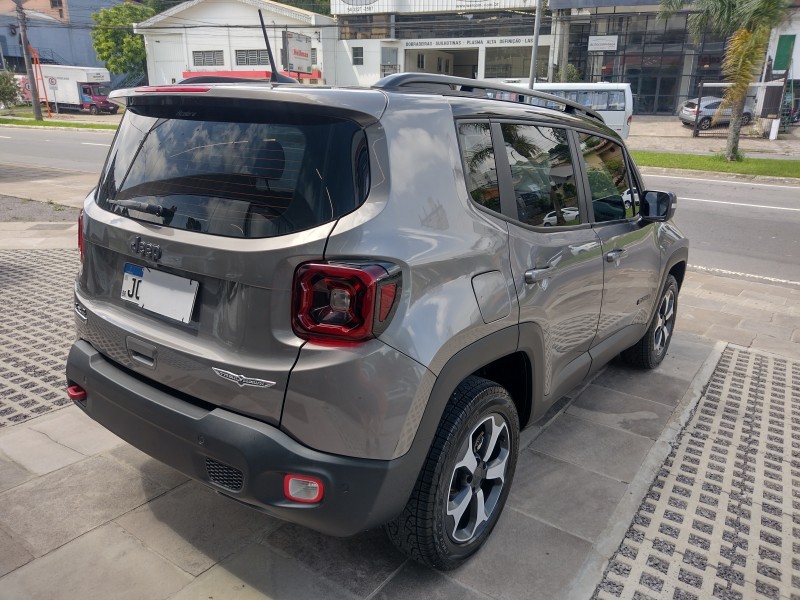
{"x": 239, "y": 456}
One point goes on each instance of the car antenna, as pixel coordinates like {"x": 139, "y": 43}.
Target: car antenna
{"x": 273, "y": 75}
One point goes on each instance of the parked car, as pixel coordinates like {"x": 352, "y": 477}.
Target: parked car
{"x": 279, "y": 299}
{"x": 630, "y": 197}
{"x": 570, "y": 215}
{"x": 705, "y": 112}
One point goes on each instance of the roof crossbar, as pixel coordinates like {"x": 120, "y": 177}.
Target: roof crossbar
{"x": 448, "y": 85}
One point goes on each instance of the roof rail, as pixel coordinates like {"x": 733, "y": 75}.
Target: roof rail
{"x": 448, "y": 85}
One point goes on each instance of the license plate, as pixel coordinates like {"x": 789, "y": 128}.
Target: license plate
{"x": 159, "y": 292}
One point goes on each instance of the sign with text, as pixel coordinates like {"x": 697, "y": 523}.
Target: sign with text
{"x": 298, "y": 52}
{"x": 603, "y": 43}
{"x": 356, "y": 7}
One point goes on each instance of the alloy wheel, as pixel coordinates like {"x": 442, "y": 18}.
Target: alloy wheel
{"x": 478, "y": 478}
{"x": 665, "y": 321}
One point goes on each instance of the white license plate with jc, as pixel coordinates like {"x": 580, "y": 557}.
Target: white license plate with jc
{"x": 159, "y": 292}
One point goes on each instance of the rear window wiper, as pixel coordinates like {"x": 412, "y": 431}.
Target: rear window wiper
{"x": 146, "y": 207}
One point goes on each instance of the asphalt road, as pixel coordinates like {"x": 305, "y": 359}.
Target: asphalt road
{"x": 740, "y": 227}
{"x": 71, "y": 149}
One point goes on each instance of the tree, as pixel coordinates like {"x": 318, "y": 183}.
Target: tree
{"x": 569, "y": 74}
{"x": 9, "y": 92}
{"x": 747, "y": 25}
{"x": 114, "y": 41}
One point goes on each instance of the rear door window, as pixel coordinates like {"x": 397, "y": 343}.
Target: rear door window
{"x": 222, "y": 176}
{"x": 542, "y": 175}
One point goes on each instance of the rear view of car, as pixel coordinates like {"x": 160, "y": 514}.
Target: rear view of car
{"x": 331, "y": 305}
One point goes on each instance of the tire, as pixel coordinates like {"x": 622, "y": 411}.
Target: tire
{"x": 93, "y": 110}
{"x": 470, "y": 466}
{"x": 704, "y": 123}
{"x": 113, "y": 111}
{"x": 649, "y": 351}
{"x": 746, "y": 118}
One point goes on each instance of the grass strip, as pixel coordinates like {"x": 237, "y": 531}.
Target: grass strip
{"x": 747, "y": 166}
{"x": 35, "y": 123}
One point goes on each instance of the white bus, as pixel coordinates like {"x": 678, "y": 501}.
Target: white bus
{"x": 613, "y": 101}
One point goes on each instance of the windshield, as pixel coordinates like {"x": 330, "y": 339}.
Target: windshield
{"x": 234, "y": 178}
{"x": 100, "y": 90}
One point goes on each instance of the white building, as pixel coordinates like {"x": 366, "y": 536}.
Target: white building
{"x": 784, "y": 51}
{"x": 466, "y": 38}
{"x": 202, "y": 36}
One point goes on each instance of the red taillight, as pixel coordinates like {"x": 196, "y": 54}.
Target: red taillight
{"x": 80, "y": 233}
{"x": 303, "y": 488}
{"x": 337, "y": 304}
{"x": 173, "y": 89}
{"x": 630, "y": 118}
{"x": 76, "y": 393}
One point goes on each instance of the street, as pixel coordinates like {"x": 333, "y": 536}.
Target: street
{"x": 70, "y": 149}
{"x": 739, "y": 227}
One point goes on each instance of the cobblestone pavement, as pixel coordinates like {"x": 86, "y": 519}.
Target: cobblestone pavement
{"x": 36, "y": 331}
{"x": 722, "y": 516}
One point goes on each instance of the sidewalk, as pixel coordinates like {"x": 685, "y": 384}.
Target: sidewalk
{"x": 667, "y": 134}
{"x": 84, "y": 515}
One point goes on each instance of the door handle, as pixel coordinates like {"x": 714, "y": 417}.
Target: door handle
{"x": 615, "y": 254}
{"x": 536, "y": 275}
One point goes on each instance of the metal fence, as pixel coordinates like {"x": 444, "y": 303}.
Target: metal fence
{"x": 708, "y": 116}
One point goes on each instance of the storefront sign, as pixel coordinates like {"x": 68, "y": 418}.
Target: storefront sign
{"x": 603, "y": 43}
{"x": 439, "y": 44}
{"x": 349, "y": 7}
{"x": 298, "y": 47}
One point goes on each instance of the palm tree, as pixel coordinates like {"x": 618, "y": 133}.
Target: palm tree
{"x": 747, "y": 25}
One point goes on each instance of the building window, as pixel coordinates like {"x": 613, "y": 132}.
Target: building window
{"x": 208, "y": 58}
{"x": 252, "y": 57}
{"x": 56, "y": 4}
{"x": 358, "y": 55}
{"x": 447, "y": 65}
{"x": 420, "y": 61}
{"x": 313, "y": 56}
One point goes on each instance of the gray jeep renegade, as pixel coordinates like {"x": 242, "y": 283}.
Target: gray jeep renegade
{"x": 340, "y": 306}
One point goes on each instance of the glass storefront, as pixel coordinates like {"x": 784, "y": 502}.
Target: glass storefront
{"x": 447, "y": 25}
{"x": 657, "y": 56}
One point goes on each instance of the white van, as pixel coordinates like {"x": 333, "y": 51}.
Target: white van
{"x": 613, "y": 101}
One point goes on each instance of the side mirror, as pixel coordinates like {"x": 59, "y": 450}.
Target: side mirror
{"x": 658, "y": 206}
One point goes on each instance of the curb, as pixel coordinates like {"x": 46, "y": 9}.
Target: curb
{"x": 609, "y": 541}
{"x": 720, "y": 176}
{"x": 67, "y": 127}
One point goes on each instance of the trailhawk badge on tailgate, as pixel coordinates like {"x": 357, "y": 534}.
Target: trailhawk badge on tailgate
{"x": 241, "y": 380}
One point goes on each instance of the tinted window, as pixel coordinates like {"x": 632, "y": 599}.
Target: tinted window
{"x": 235, "y": 179}
{"x": 479, "y": 164}
{"x": 613, "y": 196}
{"x": 542, "y": 174}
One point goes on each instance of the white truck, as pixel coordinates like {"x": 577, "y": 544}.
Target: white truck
{"x": 76, "y": 88}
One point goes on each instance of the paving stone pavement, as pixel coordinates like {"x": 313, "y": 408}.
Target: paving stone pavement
{"x": 722, "y": 516}
{"x": 69, "y": 489}
{"x": 36, "y": 331}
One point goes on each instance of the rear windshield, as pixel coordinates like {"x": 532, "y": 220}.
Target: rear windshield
{"x": 208, "y": 172}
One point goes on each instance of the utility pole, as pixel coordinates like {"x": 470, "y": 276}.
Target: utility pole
{"x": 23, "y": 32}
{"x": 535, "y": 52}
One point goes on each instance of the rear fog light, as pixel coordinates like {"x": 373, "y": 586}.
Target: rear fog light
{"x": 302, "y": 488}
